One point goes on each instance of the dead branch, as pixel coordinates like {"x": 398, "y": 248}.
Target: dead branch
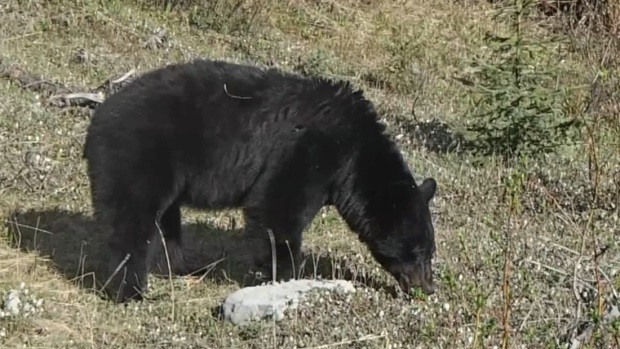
{"x": 76, "y": 100}
{"x": 33, "y": 82}
{"x": 109, "y": 86}
{"x": 60, "y": 96}
{"x": 125, "y": 77}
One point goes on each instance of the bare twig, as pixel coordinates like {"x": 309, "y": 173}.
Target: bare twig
{"x": 165, "y": 246}
{"x": 610, "y": 282}
{"x": 123, "y": 78}
{"x": 208, "y": 268}
{"x": 565, "y": 273}
{"x": 36, "y": 229}
{"x": 110, "y": 86}
{"x": 575, "y": 279}
{"x": 527, "y": 316}
{"x": 549, "y": 242}
{"x": 233, "y": 96}
{"x": 118, "y": 268}
{"x": 76, "y": 99}
{"x": 272, "y": 241}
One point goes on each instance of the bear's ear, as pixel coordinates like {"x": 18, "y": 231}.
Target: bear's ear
{"x": 428, "y": 188}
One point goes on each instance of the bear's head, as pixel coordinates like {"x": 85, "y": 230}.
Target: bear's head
{"x": 407, "y": 248}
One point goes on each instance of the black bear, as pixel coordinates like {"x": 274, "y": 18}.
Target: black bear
{"x": 213, "y": 134}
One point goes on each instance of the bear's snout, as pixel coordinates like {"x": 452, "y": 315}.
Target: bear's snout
{"x": 417, "y": 276}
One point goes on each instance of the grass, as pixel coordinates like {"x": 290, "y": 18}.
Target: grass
{"x": 520, "y": 275}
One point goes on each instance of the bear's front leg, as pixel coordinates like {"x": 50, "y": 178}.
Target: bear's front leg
{"x": 288, "y": 255}
{"x": 269, "y": 231}
{"x": 264, "y": 243}
{"x": 131, "y": 245}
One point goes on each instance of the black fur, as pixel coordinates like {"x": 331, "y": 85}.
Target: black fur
{"x": 215, "y": 135}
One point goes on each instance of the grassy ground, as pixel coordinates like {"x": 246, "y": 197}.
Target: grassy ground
{"x": 537, "y": 289}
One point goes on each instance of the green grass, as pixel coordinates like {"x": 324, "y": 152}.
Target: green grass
{"x": 406, "y": 55}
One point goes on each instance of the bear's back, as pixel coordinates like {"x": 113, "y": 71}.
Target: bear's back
{"x": 207, "y": 100}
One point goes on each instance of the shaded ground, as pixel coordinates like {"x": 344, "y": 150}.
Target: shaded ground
{"x": 77, "y": 249}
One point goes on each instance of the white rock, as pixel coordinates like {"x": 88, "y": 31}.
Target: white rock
{"x": 12, "y": 303}
{"x": 272, "y": 300}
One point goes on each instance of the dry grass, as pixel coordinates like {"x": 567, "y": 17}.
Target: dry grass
{"x": 406, "y": 54}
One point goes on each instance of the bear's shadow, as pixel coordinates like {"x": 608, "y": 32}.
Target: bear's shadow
{"x": 77, "y": 249}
